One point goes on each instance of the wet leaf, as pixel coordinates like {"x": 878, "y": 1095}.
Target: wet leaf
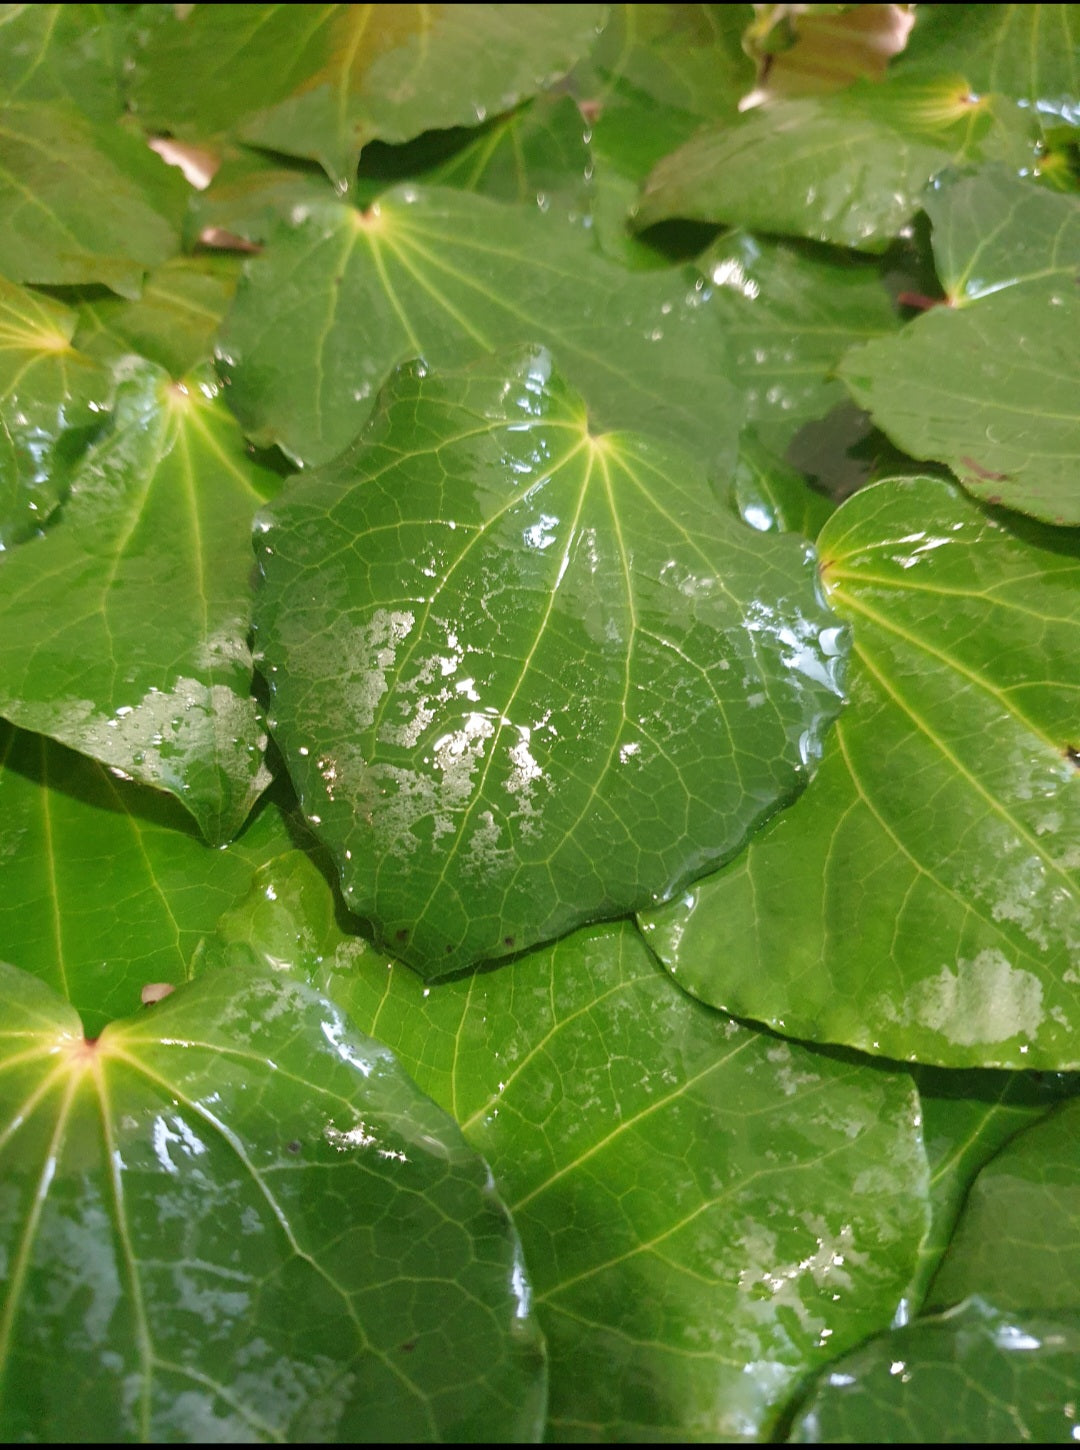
{"x": 996, "y": 1378}
{"x": 988, "y": 384}
{"x": 322, "y": 84}
{"x": 341, "y": 297}
{"x": 773, "y": 498}
{"x": 922, "y": 899}
{"x": 683, "y": 1185}
{"x": 848, "y": 168}
{"x": 174, "y": 321}
{"x": 123, "y": 631}
{"x": 1028, "y": 52}
{"x": 52, "y": 398}
{"x": 63, "y": 53}
{"x": 104, "y": 885}
{"x": 233, "y": 1217}
{"x": 1018, "y": 1239}
{"x": 81, "y": 203}
{"x": 497, "y": 639}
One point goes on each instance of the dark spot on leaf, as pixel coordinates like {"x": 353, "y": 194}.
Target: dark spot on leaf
{"x": 1072, "y": 755}
{"x": 402, "y": 934}
{"x": 293, "y": 1147}
{"x": 338, "y": 281}
{"x": 409, "y": 1344}
{"x": 508, "y": 941}
{"x": 986, "y": 473}
{"x": 449, "y": 948}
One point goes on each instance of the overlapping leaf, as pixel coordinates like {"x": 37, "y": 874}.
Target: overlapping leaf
{"x": 848, "y": 168}
{"x": 922, "y": 899}
{"x": 989, "y": 384}
{"x": 989, "y": 1376}
{"x": 1018, "y": 1241}
{"x": 52, "y": 398}
{"x": 123, "y": 631}
{"x": 773, "y": 498}
{"x": 497, "y": 641}
{"x": 323, "y": 81}
{"x": 235, "y": 1218}
{"x": 104, "y": 887}
{"x": 342, "y": 296}
{"x": 683, "y": 1186}
{"x": 82, "y": 203}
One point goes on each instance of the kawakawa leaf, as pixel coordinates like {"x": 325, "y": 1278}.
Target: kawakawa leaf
{"x": 707, "y": 1213}
{"x": 82, "y": 203}
{"x": 848, "y": 168}
{"x": 989, "y": 1376}
{"x": 104, "y": 886}
{"x": 340, "y": 297}
{"x": 940, "y": 839}
{"x": 1018, "y": 1239}
{"x": 234, "y": 1218}
{"x": 989, "y": 383}
{"x": 52, "y": 397}
{"x": 525, "y": 675}
{"x": 1028, "y": 52}
{"x": 323, "y": 81}
{"x": 773, "y": 498}
{"x": 123, "y": 630}
{"x": 66, "y": 53}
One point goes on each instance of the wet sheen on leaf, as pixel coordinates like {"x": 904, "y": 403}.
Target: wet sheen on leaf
{"x": 525, "y": 675}
{"x": 234, "y": 1218}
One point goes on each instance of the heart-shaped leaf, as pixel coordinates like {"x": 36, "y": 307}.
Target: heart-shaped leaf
{"x": 104, "y": 887}
{"x": 82, "y": 203}
{"x": 342, "y": 296}
{"x": 848, "y": 168}
{"x": 684, "y": 1196}
{"x": 123, "y": 631}
{"x": 922, "y": 899}
{"x": 989, "y": 383}
{"x": 233, "y": 1217}
{"x": 323, "y": 85}
{"x": 496, "y": 641}
{"x": 1010, "y": 1378}
{"x": 52, "y": 397}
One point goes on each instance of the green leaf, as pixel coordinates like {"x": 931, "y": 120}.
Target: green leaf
{"x": 104, "y": 887}
{"x": 1028, "y": 52}
{"x": 773, "y": 498}
{"x": 683, "y": 1185}
{"x": 250, "y": 195}
{"x": 52, "y": 397}
{"x": 233, "y": 1217}
{"x": 342, "y": 296}
{"x": 989, "y": 383}
{"x": 322, "y": 85}
{"x": 175, "y": 320}
{"x": 1018, "y": 1240}
{"x": 848, "y": 168}
{"x": 82, "y": 203}
{"x": 496, "y": 639}
{"x": 789, "y": 314}
{"x": 123, "y": 631}
{"x": 63, "y": 53}
{"x": 974, "y": 1373}
{"x": 922, "y": 899}
{"x": 967, "y": 1118}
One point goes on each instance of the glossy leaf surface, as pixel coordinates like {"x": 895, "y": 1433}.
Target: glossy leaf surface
{"x": 339, "y": 299}
{"x": 940, "y": 839}
{"x": 773, "y": 498}
{"x": 322, "y": 81}
{"x": 1018, "y": 1240}
{"x": 233, "y": 1217}
{"x": 1028, "y": 52}
{"x": 82, "y": 203}
{"x": 63, "y": 53}
{"x": 989, "y": 384}
{"x": 847, "y": 168}
{"x": 496, "y": 640}
{"x": 104, "y": 886}
{"x": 123, "y": 631}
{"x": 683, "y": 1185}
{"x": 49, "y": 391}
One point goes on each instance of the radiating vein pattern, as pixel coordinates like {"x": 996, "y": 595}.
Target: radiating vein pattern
{"x": 526, "y": 676}
{"x": 237, "y": 1219}
{"x": 923, "y": 898}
